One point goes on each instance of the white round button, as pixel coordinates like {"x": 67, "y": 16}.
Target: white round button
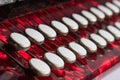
{"x": 117, "y": 24}
{"x": 39, "y": 67}
{"x": 72, "y": 25}
{"x": 98, "y": 13}
{"x": 90, "y": 46}
{"x": 117, "y": 3}
{"x": 67, "y": 54}
{"x": 60, "y": 27}
{"x": 113, "y": 7}
{"x": 106, "y": 10}
{"x": 47, "y": 31}
{"x": 34, "y": 35}
{"x": 106, "y": 35}
{"x": 20, "y": 41}
{"x": 81, "y": 20}
{"x": 114, "y": 31}
{"x": 78, "y": 49}
{"x": 91, "y": 17}
{"x": 101, "y": 42}
{"x": 54, "y": 60}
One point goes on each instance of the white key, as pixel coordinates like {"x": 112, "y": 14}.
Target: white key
{"x": 78, "y": 49}
{"x": 81, "y": 20}
{"x": 113, "y": 7}
{"x": 106, "y": 35}
{"x": 72, "y": 25}
{"x": 39, "y": 67}
{"x": 90, "y": 46}
{"x": 101, "y": 42}
{"x": 106, "y": 10}
{"x": 117, "y": 3}
{"x": 91, "y": 17}
{"x": 47, "y": 31}
{"x": 117, "y": 24}
{"x": 34, "y": 35}
{"x": 114, "y": 31}
{"x": 98, "y": 13}
{"x": 67, "y": 54}
{"x": 54, "y": 60}
{"x": 60, "y": 27}
{"x": 20, "y": 41}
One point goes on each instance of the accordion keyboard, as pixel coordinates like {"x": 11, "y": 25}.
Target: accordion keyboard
{"x": 76, "y": 40}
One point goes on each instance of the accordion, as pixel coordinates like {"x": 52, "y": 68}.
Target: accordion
{"x": 58, "y": 39}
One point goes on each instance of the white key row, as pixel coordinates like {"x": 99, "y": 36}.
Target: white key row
{"x": 70, "y": 24}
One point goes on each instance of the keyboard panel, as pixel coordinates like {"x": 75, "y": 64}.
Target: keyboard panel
{"x": 22, "y": 50}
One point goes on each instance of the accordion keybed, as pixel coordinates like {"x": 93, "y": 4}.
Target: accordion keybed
{"x": 58, "y": 40}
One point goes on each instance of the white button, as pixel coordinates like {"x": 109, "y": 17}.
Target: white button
{"x": 108, "y": 36}
{"x": 67, "y": 54}
{"x": 72, "y": 25}
{"x": 39, "y": 67}
{"x": 54, "y": 60}
{"x": 81, "y": 20}
{"x": 113, "y": 7}
{"x": 101, "y": 42}
{"x": 34, "y": 35}
{"x": 47, "y": 31}
{"x": 60, "y": 27}
{"x": 78, "y": 49}
{"x": 92, "y": 18}
{"x": 98, "y": 13}
{"x": 91, "y": 46}
{"x": 106, "y": 10}
{"x": 114, "y": 31}
{"x": 117, "y": 3}
{"x": 20, "y": 41}
{"x": 117, "y": 24}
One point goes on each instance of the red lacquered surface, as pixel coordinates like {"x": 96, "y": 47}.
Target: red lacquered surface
{"x": 83, "y": 69}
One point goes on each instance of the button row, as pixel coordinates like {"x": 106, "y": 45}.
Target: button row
{"x": 69, "y": 24}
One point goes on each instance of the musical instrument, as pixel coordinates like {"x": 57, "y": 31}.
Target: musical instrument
{"x": 58, "y": 40}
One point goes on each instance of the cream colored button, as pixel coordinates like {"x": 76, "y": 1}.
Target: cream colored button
{"x": 81, "y": 20}
{"x": 106, "y": 10}
{"x": 54, "y": 60}
{"x": 90, "y": 46}
{"x": 71, "y": 24}
{"x": 117, "y": 3}
{"x": 19, "y": 41}
{"x": 78, "y": 49}
{"x": 114, "y": 31}
{"x": 39, "y": 67}
{"x": 106, "y": 35}
{"x": 117, "y": 24}
{"x": 98, "y": 13}
{"x": 113, "y": 7}
{"x": 60, "y": 27}
{"x": 34, "y": 35}
{"x": 101, "y": 42}
{"x": 67, "y": 54}
{"x": 47, "y": 31}
{"x": 91, "y": 17}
